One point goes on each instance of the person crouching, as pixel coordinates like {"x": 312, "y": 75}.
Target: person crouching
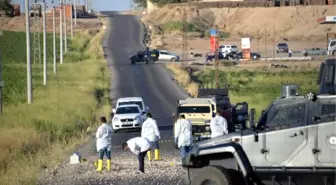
{"x": 139, "y": 146}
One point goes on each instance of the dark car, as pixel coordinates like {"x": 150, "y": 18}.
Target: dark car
{"x": 141, "y": 56}
{"x": 254, "y": 56}
{"x": 212, "y": 57}
{"x": 282, "y": 48}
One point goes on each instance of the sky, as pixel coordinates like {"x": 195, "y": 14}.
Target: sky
{"x": 101, "y": 5}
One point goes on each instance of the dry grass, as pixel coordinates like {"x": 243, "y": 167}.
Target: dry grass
{"x": 183, "y": 78}
{"x": 36, "y": 136}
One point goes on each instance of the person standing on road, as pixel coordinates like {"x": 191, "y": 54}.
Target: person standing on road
{"x": 183, "y": 135}
{"x": 104, "y": 139}
{"x": 218, "y": 125}
{"x": 139, "y": 146}
{"x": 151, "y": 132}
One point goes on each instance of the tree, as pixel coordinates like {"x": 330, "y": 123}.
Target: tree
{"x": 164, "y": 2}
{"x": 6, "y": 6}
{"x": 140, "y": 3}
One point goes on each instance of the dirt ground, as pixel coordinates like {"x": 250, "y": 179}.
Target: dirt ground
{"x": 18, "y": 24}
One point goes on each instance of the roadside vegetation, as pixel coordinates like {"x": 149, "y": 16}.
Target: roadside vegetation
{"x": 37, "y": 136}
{"x": 256, "y": 87}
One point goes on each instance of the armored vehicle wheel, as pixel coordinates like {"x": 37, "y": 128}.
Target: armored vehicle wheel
{"x": 217, "y": 175}
{"x": 147, "y": 61}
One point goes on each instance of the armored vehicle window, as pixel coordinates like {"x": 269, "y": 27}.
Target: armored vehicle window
{"x": 194, "y": 109}
{"x": 327, "y": 112}
{"x": 287, "y": 115}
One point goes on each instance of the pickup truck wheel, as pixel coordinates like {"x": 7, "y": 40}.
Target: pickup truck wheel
{"x": 217, "y": 175}
{"x": 173, "y": 59}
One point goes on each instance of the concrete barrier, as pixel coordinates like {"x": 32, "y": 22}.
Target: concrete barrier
{"x": 287, "y": 58}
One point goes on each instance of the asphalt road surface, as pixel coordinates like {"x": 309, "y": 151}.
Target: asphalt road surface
{"x": 152, "y": 82}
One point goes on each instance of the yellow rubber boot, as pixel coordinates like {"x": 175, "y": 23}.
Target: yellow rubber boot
{"x": 100, "y": 165}
{"x": 157, "y": 155}
{"x": 149, "y": 155}
{"x": 108, "y": 165}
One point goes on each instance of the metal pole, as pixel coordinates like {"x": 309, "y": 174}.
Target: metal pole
{"x": 54, "y": 39}
{"x": 265, "y": 44}
{"x": 65, "y": 29}
{"x": 273, "y": 43}
{"x": 44, "y": 45}
{"x": 75, "y": 7}
{"x": 29, "y": 68}
{"x": 1, "y": 82}
{"x": 216, "y": 56}
{"x": 258, "y": 40}
{"x": 61, "y": 33}
{"x": 71, "y": 21}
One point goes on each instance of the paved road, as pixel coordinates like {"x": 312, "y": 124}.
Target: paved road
{"x": 150, "y": 81}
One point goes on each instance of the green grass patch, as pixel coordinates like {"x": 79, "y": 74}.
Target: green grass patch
{"x": 172, "y": 26}
{"x": 259, "y": 88}
{"x": 36, "y": 136}
{"x": 221, "y": 35}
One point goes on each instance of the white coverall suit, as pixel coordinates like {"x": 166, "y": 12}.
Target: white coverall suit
{"x": 218, "y": 126}
{"x": 183, "y": 136}
{"x": 139, "y": 146}
{"x": 103, "y": 144}
{"x": 151, "y": 132}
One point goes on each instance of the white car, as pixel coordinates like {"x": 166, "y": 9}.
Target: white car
{"x": 128, "y": 117}
{"x": 132, "y": 100}
{"x": 166, "y": 55}
{"x": 225, "y": 49}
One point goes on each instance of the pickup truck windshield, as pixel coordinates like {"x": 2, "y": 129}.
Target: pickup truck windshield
{"x": 127, "y": 110}
{"x": 132, "y": 102}
{"x": 194, "y": 109}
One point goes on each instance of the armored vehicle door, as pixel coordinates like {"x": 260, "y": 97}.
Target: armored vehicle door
{"x": 286, "y": 132}
{"x": 325, "y": 141}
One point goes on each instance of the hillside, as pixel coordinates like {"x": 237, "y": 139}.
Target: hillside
{"x": 295, "y": 23}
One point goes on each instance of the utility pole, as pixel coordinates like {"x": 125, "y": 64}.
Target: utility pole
{"x": 273, "y": 43}
{"x": 265, "y": 44}
{"x": 71, "y": 22}
{"x": 61, "y": 32}
{"x": 1, "y": 82}
{"x": 44, "y": 44}
{"x": 54, "y": 39}
{"x": 216, "y": 56}
{"x": 75, "y": 7}
{"x": 29, "y": 69}
{"x": 65, "y": 29}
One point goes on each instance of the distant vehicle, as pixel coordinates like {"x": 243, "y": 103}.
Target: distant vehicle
{"x": 131, "y": 100}
{"x": 127, "y": 117}
{"x": 142, "y": 57}
{"x": 253, "y": 56}
{"x": 314, "y": 51}
{"x": 282, "y": 48}
{"x": 36, "y": 10}
{"x": 212, "y": 57}
{"x": 224, "y": 49}
{"x": 167, "y": 55}
{"x": 332, "y": 47}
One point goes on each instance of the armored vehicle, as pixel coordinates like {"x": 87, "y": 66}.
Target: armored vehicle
{"x": 294, "y": 142}
{"x": 234, "y": 114}
{"x": 199, "y": 111}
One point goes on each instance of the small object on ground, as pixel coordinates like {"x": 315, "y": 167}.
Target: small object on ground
{"x": 75, "y": 158}
{"x": 198, "y": 55}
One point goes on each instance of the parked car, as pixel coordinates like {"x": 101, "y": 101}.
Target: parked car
{"x": 282, "y": 48}
{"x": 224, "y": 49}
{"x": 332, "y": 47}
{"x": 314, "y": 51}
{"x": 212, "y": 57}
{"x": 167, "y": 55}
{"x": 254, "y": 56}
{"x": 127, "y": 116}
{"x": 141, "y": 57}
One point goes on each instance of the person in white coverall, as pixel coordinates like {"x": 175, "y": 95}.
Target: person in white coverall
{"x": 104, "y": 138}
{"x": 218, "y": 125}
{"x": 139, "y": 146}
{"x": 151, "y": 132}
{"x": 183, "y": 135}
